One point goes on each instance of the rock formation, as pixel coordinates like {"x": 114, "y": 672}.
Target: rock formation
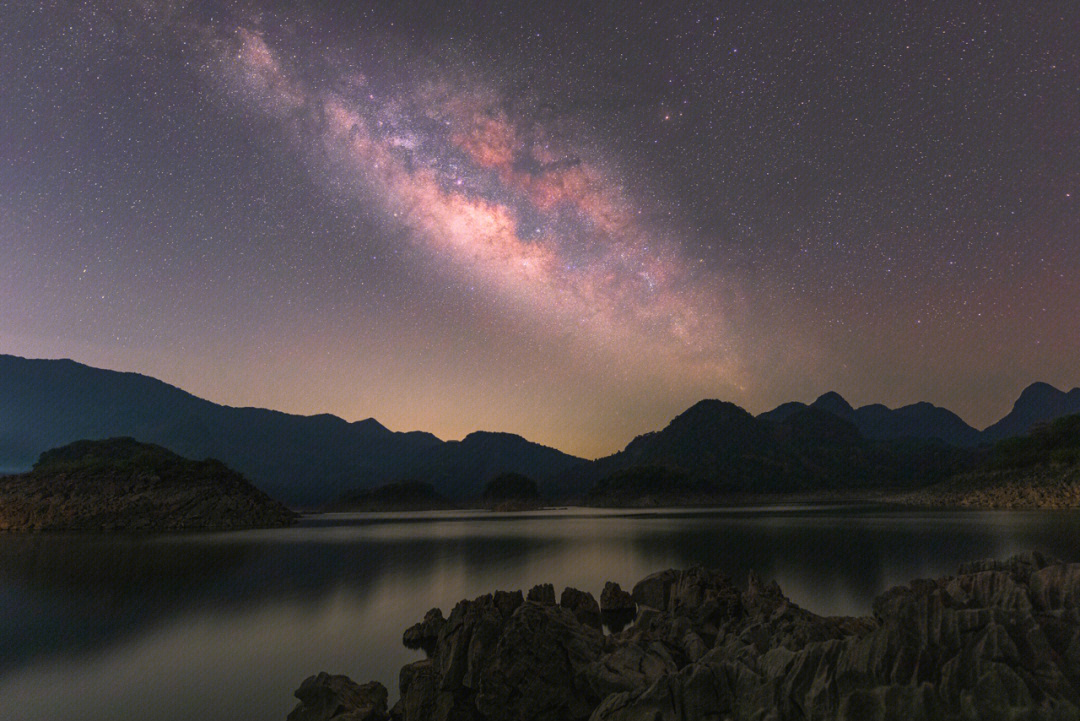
{"x": 999, "y": 640}
{"x": 337, "y": 697}
{"x": 613, "y": 599}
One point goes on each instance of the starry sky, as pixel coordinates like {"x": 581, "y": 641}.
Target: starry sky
{"x": 565, "y": 220}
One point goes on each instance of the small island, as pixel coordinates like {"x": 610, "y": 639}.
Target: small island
{"x": 120, "y": 484}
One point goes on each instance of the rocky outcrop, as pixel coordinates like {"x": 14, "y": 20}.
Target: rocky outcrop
{"x": 999, "y": 640}
{"x": 426, "y": 633}
{"x": 336, "y": 698}
{"x": 614, "y": 600}
{"x": 582, "y": 604}
{"x": 543, "y": 593}
{"x": 120, "y": 484}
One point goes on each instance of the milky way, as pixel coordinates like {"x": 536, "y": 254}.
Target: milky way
{"x": 502, "y": 200}
{"x": 569, "y": 221}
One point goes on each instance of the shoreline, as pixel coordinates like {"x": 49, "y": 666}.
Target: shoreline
{"x": 964, "y": 493}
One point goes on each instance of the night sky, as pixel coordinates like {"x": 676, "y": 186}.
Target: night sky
{"x": 565, "y": 220}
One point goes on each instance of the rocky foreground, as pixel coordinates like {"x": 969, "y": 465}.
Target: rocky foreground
{"x": 1000, "y": 640}
{"x": 119, "y": 484}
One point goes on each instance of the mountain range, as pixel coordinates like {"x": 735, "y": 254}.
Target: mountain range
{"x": 301, "y": 460}
{"x": 310, "y": 460}
{"x": 1038, "y": 403}
{"x": 918, "y": 420}
{"x": 716, "y": 447}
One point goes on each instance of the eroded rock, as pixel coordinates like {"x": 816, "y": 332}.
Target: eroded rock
{"x": 582, "y": 604}
{"x": 614, "y": 599}
{"x": 337, "y": 698}
{"x": 1001, "y": 639}
{"x": 543, "y": 593}
{"x": 426, "y": 633}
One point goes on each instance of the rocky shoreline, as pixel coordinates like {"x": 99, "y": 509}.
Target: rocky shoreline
{"x": 999, "y": 640}
{"x": 1037, "y": 488}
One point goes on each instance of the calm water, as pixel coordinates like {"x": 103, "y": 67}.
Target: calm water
{"x": 225, "y": 626}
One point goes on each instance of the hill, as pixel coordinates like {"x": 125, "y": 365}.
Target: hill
{"x": 302, "y": 460}
{"x": 121, "y": 484}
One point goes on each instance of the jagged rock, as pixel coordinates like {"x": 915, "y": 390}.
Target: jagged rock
{"x": 582, "y": 604}
{"x": 426, "y": 633}
{"x": 418, "y": 685}
{"x": 337, "y": 698}
{"x": 1000, "y": 640}
{"x": 543, "y": 593}
{"x": 508, "y": 601}
{"x": 613, "y": 599}
{"x": 537, "y": 668}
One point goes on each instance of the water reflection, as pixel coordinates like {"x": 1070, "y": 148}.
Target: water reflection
{"x": 224, "y": 626}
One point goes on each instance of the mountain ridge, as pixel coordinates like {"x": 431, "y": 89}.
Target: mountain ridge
{"x": 310, "y": 460}
{"x": 303, "y": 460}
{"x": 877, "y": 421}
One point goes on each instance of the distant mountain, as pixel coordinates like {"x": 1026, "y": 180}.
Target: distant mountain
{"x": 716, "y": 447}
{"x": 877, "y": 422}
{"x": 303, "y": 460}
{"x": 1038, "y": 403}
{"x": 467, "y": 465}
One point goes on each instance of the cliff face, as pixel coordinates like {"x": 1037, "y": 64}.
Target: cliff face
{"x": 122, "y": 485}
{"x": 1001, "y": 639}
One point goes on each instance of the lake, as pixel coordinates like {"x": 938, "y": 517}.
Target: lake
{"x": 224, "y": 626}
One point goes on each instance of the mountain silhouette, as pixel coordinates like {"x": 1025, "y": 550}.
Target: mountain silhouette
{"x": 1038, "y": 403}
{"x": 302, "y": 460}
{"x": 715, "y": 446}
{"x": 878, "y": 422}
{"x": 310, "y": 460}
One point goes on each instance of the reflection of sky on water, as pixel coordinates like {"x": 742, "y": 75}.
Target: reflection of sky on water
{"x": 225, "y": 626}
